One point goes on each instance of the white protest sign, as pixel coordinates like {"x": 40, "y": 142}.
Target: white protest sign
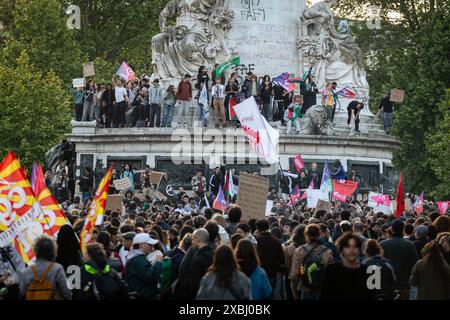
{"x": 372, "y": 203}
{"x": 314, "y": 195}
{"x": 78, "y": 82}
{"x": 269, "y": 206}
{"x": 122, "y": 184}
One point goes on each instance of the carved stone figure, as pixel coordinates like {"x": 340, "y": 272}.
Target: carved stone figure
{"x": 316, "y": 120}
{"x": 334, "y": 56}
{"x": 197, "y": 39}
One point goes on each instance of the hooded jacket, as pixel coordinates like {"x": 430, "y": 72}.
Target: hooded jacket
{"x": 141, "y": 276}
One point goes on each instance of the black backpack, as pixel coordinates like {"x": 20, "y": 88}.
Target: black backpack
{"x": 312, "y": 268}
{"x": 104, "y": 286}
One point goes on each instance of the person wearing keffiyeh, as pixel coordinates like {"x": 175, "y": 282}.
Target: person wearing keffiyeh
{"x": 293, "y": 113}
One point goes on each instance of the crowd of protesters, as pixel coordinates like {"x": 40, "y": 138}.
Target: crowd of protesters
{"x": 145, "y": 103}
{"x": 181, "y": 248}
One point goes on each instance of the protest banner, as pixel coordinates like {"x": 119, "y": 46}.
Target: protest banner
{"x": 263, "y": 139}
{"x": 397, "y": 95}
{"x": 371, "y": 201}
{"x": 313, "y": 197}
{"x": 323, "y": 205}
{"x": 88, "y": 69}
{"x": 443, "y": 206}
{"x": 114, "y": 202}
{"x": 344, "y": 188}
{"x": 382, "y": 208}
{"x": 252, "y": 196}
{"x": 78, "y": 82}
{"x": 269, "y": 206}
{"x": 122, "y": 184}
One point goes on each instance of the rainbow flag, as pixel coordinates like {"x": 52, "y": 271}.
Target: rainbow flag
{"x": 95, "y": 213}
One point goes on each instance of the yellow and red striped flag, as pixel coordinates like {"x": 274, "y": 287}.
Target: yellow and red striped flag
{"x": 53, "y": 218}
{"x": 96, "y": 209}
{"x": 19, "y": 209}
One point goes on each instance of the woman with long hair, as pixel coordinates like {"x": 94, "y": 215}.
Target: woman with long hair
{"x": 224, "y": 280}
{"x": 69, "y": 252}
{"x": 431, "y": 274}
{"x": 248, "y": 260}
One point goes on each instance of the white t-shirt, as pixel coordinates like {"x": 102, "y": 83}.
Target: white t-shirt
{"x": 123, "y": 254}
{"x": 120, "y": 93}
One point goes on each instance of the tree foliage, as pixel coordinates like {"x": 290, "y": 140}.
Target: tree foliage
{"x": 35, "y": 110}
{"x": 411, "y": 53}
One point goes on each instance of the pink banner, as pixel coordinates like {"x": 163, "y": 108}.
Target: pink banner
{"x": 443, "y": 206}
{"x": 299, "y": 164}
{"x": 339, "y": 197}
{"x": 382, "y": 199}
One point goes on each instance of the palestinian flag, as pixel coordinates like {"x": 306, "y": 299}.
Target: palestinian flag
{"x": 294, "y": 113}
{"x": 231, "y": 111}
{"x": 229, "y": 185}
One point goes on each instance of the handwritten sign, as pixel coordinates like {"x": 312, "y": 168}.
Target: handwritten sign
{"x": 252, "y": 196}
{"x": 114, "y": 202}
{"x": 397, "y": 95}
{"x": 122, "y": 184}
{"x": 269, "y": 206}
{"x": 78, "y": 82}
{"x": 314, "y": 195}
{"x": 88, "y": 69}
{"x": 323, "y": 205}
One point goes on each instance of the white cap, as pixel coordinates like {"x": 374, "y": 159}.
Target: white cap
{"x": 144, "y": 238}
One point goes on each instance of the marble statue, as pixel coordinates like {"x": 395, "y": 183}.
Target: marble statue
{"x": 197, "y": 39}
{"x": 316, "y": 121}
{"x": 333, "y": 55}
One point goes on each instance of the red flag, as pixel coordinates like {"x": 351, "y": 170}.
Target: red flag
{"x": 400, "y": 198}
{"x": 345, "y": 188}
{"x": 443, "y": 206}
{"x": 299, "y": 164}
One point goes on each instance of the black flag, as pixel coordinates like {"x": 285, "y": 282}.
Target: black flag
{"x": 166, "y": 189}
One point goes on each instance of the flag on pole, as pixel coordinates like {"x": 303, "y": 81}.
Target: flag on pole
{"x": 347, "y": 93}
{"x": 95, "y": 212}
{"x": 400, "y": 198}
{"x": 53, "y": 218}
{"x": 343, "y": 189}
{"x": 19, "y": 209}
{"x": 299, "y": 164}
{"x": 443, "y": 206}
{"x": 326, "y": 185}
{"x": 262, "y": 137}
{"x": 125, "y": 72}
{"x": 418, "y": 204}
{"x": 206, "y": 200}
{"x": 220, "y": 203}
{"x": 34, "y": 172}
{"x": 229, "y": 185}
{"x": 283, "y": 81}
{"x": 310, "y": 187}
{"x": 231, "y": 104}
{"x": 233, "y": 61}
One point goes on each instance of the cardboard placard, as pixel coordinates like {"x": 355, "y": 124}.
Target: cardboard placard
{"x": 314, "y": 195}
{"x": 323, "y": 205}
{"x": 78, "y": 82}
{"x": 88, "y": 69}
{"x": 397, "y": 95}
{"x": 155, "y": 177}
{"x": 122, "y": 184}
{"x": 252, "y": 196}
{"x": 114, "y": 202}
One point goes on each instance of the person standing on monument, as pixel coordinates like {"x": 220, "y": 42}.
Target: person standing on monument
{"x": 203, "y": 104}
{"x": 231, "y": 91}
{"x": 169, "y": 104}
{"x": 310, "y": 95}
{"x": 385, "y": 111}
{"x": 328, "y": 101}
{"x": 266, "y": 98}
{"x": 155, "y": 98}
{"x": 278, "y": 96}
{"x": 293, "y": 113}
{"x": 121, "y": 98}
{"x": 218, "y": 95}
{"x": 184, "y": 97}
{"x": 108, "y": 104}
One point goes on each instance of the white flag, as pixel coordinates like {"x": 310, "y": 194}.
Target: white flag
{"x": 262, "y": 137}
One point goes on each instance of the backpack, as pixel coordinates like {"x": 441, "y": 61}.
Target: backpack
{"x": 312, "y": 268}
{"x": 166, "y": 274}
{"x": 103, "y": 285}
{"x": 40, "y": 288}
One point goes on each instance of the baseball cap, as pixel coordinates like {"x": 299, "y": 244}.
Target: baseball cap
{"x": 129, "y": 235}
{"x": 144, "y": 238}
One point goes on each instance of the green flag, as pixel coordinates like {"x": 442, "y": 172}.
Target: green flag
{"x": 234, "y": 61}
